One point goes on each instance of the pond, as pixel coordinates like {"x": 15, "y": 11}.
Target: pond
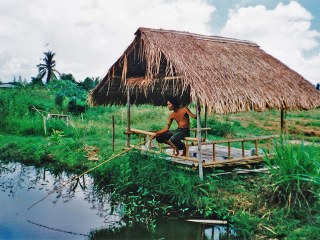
{"x": 38, "y": 204}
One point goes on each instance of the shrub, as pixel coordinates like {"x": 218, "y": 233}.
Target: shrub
{"x": 221, "y": 129}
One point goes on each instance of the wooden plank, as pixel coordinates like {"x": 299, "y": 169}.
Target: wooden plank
{"x": 134, "y": 130}
{"x": 244, "y": 139}
{"x": 202, "y": 129}
{"x": 235, "y": 160}
{"x": 207, "y": 221}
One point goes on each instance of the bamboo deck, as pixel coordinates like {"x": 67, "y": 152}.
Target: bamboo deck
{"x": 207, "y": 156}
{"x": 213, "y": 154}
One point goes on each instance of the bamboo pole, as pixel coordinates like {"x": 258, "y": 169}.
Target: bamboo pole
{"x": 187, "y": 149}
{"x": 283, "y": 121}
{"x": 205, "y": 121}
{"x": 113, "y": 133}
{"x": 128, "y": 116}
{"x": 242, "y": 145}
{"x": 208, "y": 221}
{"x": 84, "y": 135}
{"x": 44, "y": 125}
{"x": 199, "y": 156}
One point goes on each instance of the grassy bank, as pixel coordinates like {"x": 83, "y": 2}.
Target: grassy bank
{"x": 283, "y": 204}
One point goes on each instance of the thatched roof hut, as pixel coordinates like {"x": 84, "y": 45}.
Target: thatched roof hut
{"x": 227, "y": 75}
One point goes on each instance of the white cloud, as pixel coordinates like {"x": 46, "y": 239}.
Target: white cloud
{"x": 87, "y": 36}
{"x": 283, "y": 32}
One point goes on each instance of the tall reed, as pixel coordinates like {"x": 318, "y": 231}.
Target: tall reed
{"x": 295, "y": 174}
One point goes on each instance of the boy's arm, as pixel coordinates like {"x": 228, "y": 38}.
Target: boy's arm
{"x": 190, "y": 113}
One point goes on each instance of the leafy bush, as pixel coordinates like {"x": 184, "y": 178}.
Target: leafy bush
{"x": 221, "y": 129}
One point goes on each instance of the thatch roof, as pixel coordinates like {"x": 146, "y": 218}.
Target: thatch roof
{"x": 228, "y": 75}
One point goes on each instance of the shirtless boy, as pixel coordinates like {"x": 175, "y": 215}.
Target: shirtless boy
{"x": 173, "y": 138}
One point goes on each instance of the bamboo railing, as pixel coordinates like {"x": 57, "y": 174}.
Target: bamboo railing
{"x": 143, "y": 135}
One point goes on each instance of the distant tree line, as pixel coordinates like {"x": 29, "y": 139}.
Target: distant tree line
{"x": 70, "y": 95}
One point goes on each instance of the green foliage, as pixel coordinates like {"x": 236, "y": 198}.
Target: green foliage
{"x": 17, "y": 113}
{"x": 47, "y": 67}
{"x": 150, "y": 186}
{"x": 89, "y": 83}
{"x": 295, "y": 174}
{"x": 67, "y": 77}
{"x": 221, "y": 129}
{"x": 70, "y": 91}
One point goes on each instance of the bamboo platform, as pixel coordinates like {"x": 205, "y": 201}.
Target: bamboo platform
{"x": 207, "y": 156}
{"x": 213, "y": 153}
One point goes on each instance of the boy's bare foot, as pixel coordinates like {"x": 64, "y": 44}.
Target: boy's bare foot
{"x": 175, "y": 152}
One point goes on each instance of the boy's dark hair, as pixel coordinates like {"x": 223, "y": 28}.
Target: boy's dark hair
{"x": 174, "y": 102}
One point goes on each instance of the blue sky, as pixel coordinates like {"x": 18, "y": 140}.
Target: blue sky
{"x": 222, "y": 6}
{"x": 89, "y": 35}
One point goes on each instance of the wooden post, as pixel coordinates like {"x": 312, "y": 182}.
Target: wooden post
{"x": 283, "y": 121}
{"x": 150, "y": 143}
{"x": 229, "y": 150}
{"x": 205, "y": 121}
{"x": 187, "y": 149}
{"x": 113, "y": 133}
{"x": 214, "y": 152}
{"x": 256, "y": 143}
{"x": 84, "y": 135}
{"x": 199, "y": 155}
{"x": 44, "y": 125}
{"x": 242, "y": 143}
{"x": 128, "y": 117}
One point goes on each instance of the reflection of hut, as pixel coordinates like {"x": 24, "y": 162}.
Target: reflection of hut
{"x": 224, "y": 75}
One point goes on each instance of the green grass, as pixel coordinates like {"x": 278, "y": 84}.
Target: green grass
{"x": 285, "y": 201}
{"x": 295, "y": 173}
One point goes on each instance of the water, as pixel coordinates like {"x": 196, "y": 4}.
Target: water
{"x": 30, "y": 209}
{"x": 64, "y": 214}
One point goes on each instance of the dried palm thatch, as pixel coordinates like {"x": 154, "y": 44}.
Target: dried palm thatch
{"x": 227, "y": 75}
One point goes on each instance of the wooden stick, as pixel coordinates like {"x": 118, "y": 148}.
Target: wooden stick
{"x": 244, "y": 139}
{"x": 246, "y": 159}
{"x": 187, "y": 149}
{"x": 242, "y": 143}
{"x": 113, "y": 133}
{"x": 199, "y": 156}
{"x": 134, "y": 130}
{"x": 128, "y": 116}
{"x": 44, "y": 125}
{"x": 207, "y": 221}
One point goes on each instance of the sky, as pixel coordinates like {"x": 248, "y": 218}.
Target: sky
{"x": 88, "y": 36}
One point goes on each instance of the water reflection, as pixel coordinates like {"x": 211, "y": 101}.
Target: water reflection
{"x": 62, "y": 207}
{"x": 167, "y": 229}
{"x": 68, "y": 212}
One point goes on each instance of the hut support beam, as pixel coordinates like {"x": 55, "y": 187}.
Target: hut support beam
{"x": 205, "y": 121}
{"x": 128, "y": 116}
{"x": 283, "y": 121}
{"x": 199, "y": 155}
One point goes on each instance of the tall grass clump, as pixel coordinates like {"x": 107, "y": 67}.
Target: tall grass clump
{"x": 295, "y": 174}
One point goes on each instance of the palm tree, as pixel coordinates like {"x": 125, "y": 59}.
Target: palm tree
{"x": 48, "y": 67}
